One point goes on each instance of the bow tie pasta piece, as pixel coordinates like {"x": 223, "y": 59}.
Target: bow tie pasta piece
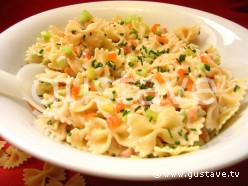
{"x": 186, "y": 33}
{"x": 81, "y": 112}
{"x": 16, "y": 157}
{"x": 100, "y": 137}
{"x": 52, "y": 128}
{"x": 229, "y": 94}
{"x": 76, "y": 137}
{"x": 60, "y": 111}
{"x": 143, "y": 134}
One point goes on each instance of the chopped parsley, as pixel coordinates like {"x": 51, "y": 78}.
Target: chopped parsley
{"x": 73, "y": 31}
{"x": 149, "y": 98}
{"x": 130, "y": 64}
{"x": 159, "y": 69}
{"x": 207, "y": 67}
{"x": 93, "y": 62}
{"x": 143, "y": 86}
{"x": 41, "y": 51}
{"x": 121, "y": 44}
{"x": 49, "y": 122}
{"x": 169, "y": 131}
{"x": 180, "y": 132}
{"x": 109, "y": 63}
{"x": 146, "y": 107}
{"x": 186, "y": 137}
{"x": 181, "y": 58}
{"x": 133, "y": 47}
{"x": 236, "y": 87}
{"x": 125, "y": 112}
{"x": 98, "y": 65}
{"x": 177, "y": 142}
{"x": 137, "y": 108}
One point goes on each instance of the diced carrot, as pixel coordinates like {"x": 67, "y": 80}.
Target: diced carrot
{"x": 158, "y": 77}
{"x": 61, "y": 84}
{"x": 92, "y": 87}
{"x": 68, "y": 71}
{"x": 189, "y": 84}
{"x": 154, "y": 28}
{"x": 75, "y": 50}
{"x": 64, "y": 43}
{"x": 126, "y": 80}
{"x": 113, "y": 122}
{"x": 192, "y": 114}
{"x": 204, "y": 135}
{"x": 151, "y": 93}
{"x": 164, "y": 102}
{"x": 75, "y": 91}
{"x": 126, "y": 49}
{"x": 162, "y": 39}
{"x": 181, "y": 72}
{"x": 204, "y": 59}
{"x": 120, "y": 106}
{"x": 129, "y": 25}
{"x": 132, "y": 42}
{"x": 86, "y": 54}
{"x": 62, "y": 34}
{"x": 167, "y": 100}
{"x": 112, "y": 56}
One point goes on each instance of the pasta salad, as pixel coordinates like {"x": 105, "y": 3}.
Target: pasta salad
{"x": 124, "y": 88}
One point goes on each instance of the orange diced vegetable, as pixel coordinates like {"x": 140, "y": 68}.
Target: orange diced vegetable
{"x": 192, "y": 114}
{"x": 75, "y": 50}
{"x": 189, "y": 84}
{"x": 112, "y": 56}
{"x": 92, "y": 87}
{"x": 151, "y": 93}
{"x": 75, "y": 91}
{"x": 119, "y": 107}
{"x": 132, "y": 42}
{"x": 166, "y": 101}
{"x": 154, "y": 28}
{"x": 162, "y": 39}
{"x": 86, "y": 54}
{"x": 68, "y": 71}
{"x": 181, "y": 72}
{"x": 62, "y": 34}
{"x": 113, "y": 122}
{"x": 204, "y": 135}
{"x": 129, "y": 25}
{"x": 158, "y": 77}
{"x": 126, "y": 49}
{"x": 126, "y": 80}
{"x": 204, "y": 59}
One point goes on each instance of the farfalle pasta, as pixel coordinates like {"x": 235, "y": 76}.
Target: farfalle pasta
{"x": 124, "y": 88}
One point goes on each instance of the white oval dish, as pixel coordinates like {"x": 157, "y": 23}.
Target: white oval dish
{"x": 17, "y": 122}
